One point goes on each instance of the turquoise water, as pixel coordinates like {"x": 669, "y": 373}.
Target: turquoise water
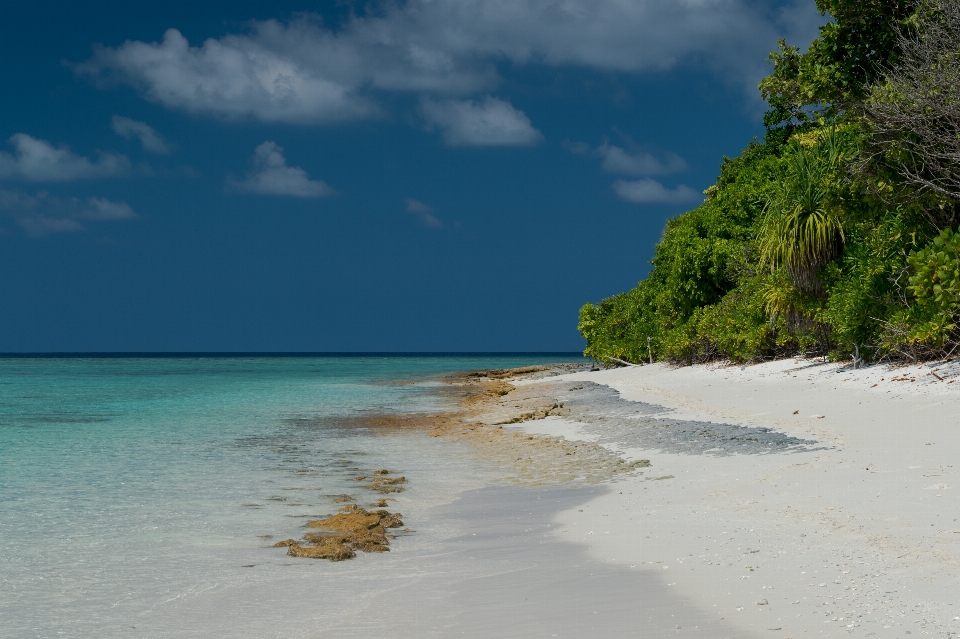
{"x": 132, "y": 490}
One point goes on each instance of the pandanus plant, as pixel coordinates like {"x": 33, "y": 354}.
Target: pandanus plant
{"x": 802, "y": 229}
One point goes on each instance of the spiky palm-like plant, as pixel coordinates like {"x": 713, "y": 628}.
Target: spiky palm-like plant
{"x": 803, "y": 229}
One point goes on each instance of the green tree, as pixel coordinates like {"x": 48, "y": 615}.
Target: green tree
{"x": 852, "y": 52}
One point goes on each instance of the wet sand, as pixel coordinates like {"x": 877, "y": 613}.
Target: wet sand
{"x": 492, "y": 563}
{"x": 509, "y": 575}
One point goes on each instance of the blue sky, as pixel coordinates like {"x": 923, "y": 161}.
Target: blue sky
{"x": 430, "y": 175}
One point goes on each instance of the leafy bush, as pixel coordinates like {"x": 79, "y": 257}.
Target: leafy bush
{"x": 935, "y": 287}
{"x": 807, "y": 243}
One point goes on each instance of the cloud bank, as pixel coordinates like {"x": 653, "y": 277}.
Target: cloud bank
{"x": 648, "y": 191}
{"x": 490, "y": 122}
{"x": 39, "y": 161}
{"x": 270, "y": 175}
{"x": 43, "y": 213}
{"x": 303, "y": 71}
{"x": 149, "y": 138}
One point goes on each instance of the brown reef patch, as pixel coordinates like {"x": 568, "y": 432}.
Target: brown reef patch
{"x": 350, "y": 530}
{"x": 486, "y": 404}
{"x": 502, "y": 373}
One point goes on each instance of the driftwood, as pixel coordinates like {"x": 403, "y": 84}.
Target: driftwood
{"x": 857, "y": 360}
{"x": 620, "y": 361}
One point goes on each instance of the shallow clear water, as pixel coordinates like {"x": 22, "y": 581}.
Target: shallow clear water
{"x": 131, "y": 486}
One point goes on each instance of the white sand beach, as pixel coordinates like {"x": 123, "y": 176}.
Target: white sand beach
{"x": 857, "y": 533}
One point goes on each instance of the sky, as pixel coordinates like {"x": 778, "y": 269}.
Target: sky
{"x": 428, "y": 175}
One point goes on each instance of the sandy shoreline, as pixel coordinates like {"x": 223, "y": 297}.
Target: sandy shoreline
{"x": 843, "y": 520}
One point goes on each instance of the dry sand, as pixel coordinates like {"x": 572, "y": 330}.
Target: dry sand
{"x": 842, "y": 518}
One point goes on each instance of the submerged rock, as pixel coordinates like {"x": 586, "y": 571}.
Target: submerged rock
{"x": 341, "y": 535}
{"x": 385, "y": 485}
{"x": 332, "y": 550}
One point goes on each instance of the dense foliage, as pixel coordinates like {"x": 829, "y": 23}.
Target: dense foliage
{"x": 818, "y": 240}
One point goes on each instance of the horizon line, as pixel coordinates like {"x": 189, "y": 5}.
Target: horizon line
{"x": 265, "y": 354}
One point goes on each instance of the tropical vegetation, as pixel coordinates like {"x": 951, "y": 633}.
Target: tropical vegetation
{"x": 836, "y": 235}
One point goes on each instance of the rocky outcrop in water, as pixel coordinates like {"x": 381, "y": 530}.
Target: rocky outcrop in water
{"x": 341, "y": 535}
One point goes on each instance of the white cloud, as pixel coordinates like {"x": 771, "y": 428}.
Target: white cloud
{"x": 277, "y": 74}
{"x": 149, "y": 138}
{"x": 270, "y": 175}
{"x": 490, "y": 122}
{"x": 39, "y": 161}
{"x": 617, "y": 160}
{"x": 424, "y": 213}
{"x": 305, "y": 72}
{"x": 43, "y": 213}
{"x": 99, "y": 208}
{"x": 647, "y": 191}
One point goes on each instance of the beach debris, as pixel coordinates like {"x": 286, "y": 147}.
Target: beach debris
{"x": 761, "y": 602}
{"x": 796, "y": 412}
{"x": 344, "y": 533}
{"x": 623, "y": 363}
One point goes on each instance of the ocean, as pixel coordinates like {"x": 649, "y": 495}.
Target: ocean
{"x": 140, "y": 497}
